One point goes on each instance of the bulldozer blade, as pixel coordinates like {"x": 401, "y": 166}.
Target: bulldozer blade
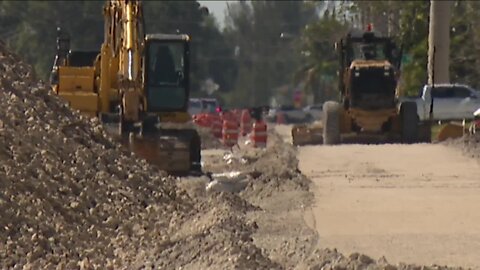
{"x": 304, "y": 135}
{"x": 451, "y": 131}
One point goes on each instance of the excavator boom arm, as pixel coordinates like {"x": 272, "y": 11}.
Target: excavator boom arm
{"x": 124, "y": 21}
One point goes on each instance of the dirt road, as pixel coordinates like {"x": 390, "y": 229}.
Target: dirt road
{"x": 410, "y": 203}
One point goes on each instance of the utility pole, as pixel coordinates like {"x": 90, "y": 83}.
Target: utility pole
{"x": 439, "y": 42}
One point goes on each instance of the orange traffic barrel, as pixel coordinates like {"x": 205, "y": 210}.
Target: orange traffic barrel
{"x": 259, "y": 134}
{"x": 202, "y": 120}
{"x": 229, "y": 133}
{"x": 245, "y": 123}
{"x": 216, "y": 125}
{"x": 229, "y": 116}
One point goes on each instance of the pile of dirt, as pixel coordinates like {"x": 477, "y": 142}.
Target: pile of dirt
{"x": 279, "y": 167}
{"x": 273, "y": 169}
{"x": 269, "y": 170}
{"x": 72, "y": 198}
{"x": 68, "y": 192}
{"x": 332, "y": 259}
{"x": 469, "y": 144}
{"x": 216, "y": 237}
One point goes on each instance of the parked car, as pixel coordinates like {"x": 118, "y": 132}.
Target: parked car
{"x": 315, "y": 111}
{"x": 203, "y": 105}
{"x": 450, "y": 102}
{"x": 210, "y": 105}
{"x": 290, "y": 114}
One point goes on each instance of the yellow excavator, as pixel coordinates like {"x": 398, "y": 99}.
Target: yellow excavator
{"x": 137, "y": 81}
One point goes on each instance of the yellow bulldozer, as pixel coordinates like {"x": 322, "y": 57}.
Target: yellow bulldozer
{"x": 137, "y": 83}
{"x": 370, "y": 108}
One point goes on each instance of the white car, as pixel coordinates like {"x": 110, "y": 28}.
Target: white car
{"x": 450, "y": 102}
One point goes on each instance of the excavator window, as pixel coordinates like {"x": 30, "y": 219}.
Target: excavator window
{"x": 166, "y": 76}
{"x": 164, "y": 66}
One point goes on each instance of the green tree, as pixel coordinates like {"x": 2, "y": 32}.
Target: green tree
{"x": 208, "y": 46}
{"x": 266, "y": 62}
{"x": 29, "y": 28}
{"x": 321, "y": 62}
{"x": 465, "y": 43}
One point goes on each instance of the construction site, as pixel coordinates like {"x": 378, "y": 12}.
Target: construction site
{"x": 102, "y": 171}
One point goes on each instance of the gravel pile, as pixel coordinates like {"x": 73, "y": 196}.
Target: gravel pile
{"x": 72, "y": 198}
{"x": 276, "y": 168}
{"x": 329, "y": 259}
{"x": 68, "y": 191}
{"x": 217, "y": 237}
{"x": 469, "y": 144}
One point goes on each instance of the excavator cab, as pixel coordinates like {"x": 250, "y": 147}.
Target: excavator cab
{"x": 167, "y": 73}
{"x": 166, "y": 94}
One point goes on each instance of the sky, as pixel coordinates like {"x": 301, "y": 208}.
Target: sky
{"x": 217, "y": 8}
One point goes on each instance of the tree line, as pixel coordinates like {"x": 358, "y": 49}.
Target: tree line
{"x": 266, "y": 50}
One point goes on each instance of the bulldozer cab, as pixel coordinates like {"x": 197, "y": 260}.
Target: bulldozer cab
{"x": 368, "y": 46}
{"x": 167, "y": 73}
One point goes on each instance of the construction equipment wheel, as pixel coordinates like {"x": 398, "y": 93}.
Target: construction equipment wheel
{"x": 195, "y": 151}
{"x": 425, "y": 132}
{"x": 409, "y": 118}
{"x": 331, "y": 123}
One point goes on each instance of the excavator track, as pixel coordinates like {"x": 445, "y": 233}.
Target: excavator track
{"x": 174, "y": 150}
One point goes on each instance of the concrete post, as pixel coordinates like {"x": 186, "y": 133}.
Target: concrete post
{"x": 439, "y": 39}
